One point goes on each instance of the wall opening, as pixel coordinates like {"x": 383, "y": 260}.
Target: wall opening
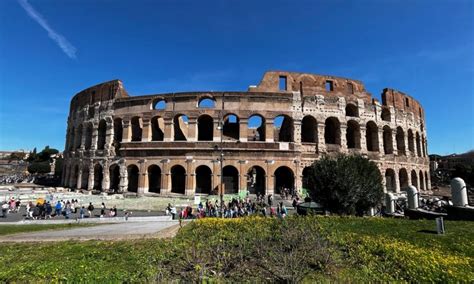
{"x": 282, "y": 83}
{"x": 284, "y": 179}
{"x": 332, "y": 131}
{"x": 154, "y": 179}
{"x": 387, "y": 140}
{"x": 231, "y": 179}
{"x": 118, "y": 130}
{"x": 329, "y": 86}
{"x": 157, "y": 128}
{"x": 385, "y": 115}
{"x": 205, "y": 128}
{"x": 136, "y": 128}
{"x": 77, "y": 143}
{"x": 283, "y": 125}
{"x": 403, "y": 177}
{"x": 411, "y": 143}
{"x": 418, "y": 145}
{"x": 132, "y": 172}
{"x": 101, "y": 134}
{"x": 256, "y": 128}
{"x": 206, "y": 103}
{"x": 203, "y": 180}
{"x": 400, "y": 141}
{"x": 231, "y": 127}
{"x": 180, "y": 125}
{"x": 353, "y": 135}
{"x": 307, "y": 172}
{"x": 309, "y": 130}
{"x": 98, "y": 177}
{"x": 114, "y": 172}
{"x": 390, "y": 180}
{"x": 350, "y": 88}
{"x": 85, "y": 177}
{"x": 159, "y": 104}
{"x": 178, "y": 179}
{"x": 407, "y": 102}
{"x": 256, "y": 180}
{"x": 372, "y": 136}
{"x": 414, "y": 179}
{"x": 352, "y": 110}
{"x": 88, "y": 138}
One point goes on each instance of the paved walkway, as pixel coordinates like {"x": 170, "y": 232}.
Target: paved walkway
{"x": 128, "y": 230}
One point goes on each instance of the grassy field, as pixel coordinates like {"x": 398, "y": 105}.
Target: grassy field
{"x": 297, "y": 249}
{"x": 14, "y": 229}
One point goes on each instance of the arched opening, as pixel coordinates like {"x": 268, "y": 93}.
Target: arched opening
{"x": 205, "y": 128}
{"x": 118, "y": 130}
{"x": 387, "y": 140}
{"x": 283, "y": 128}
{"x": 411, "y": 143}
{"x": 256, "y": 180}
{"x": 88, "y": 138}
{"x": 307, "y": 172}
{"x": 203, "y": 179}
{"x": 101, "y": 134}
{"x": 136, "y": 128}
{"x": 78, "y": 137}
{"x": 231, "y": 179}
{"x": 414, "y": 179}
{"x": 400, "y": 141}
{"x": 284, "y": 178}
{"x": 71, "y": 139}
{"x": 178, "y": 179}
{"x": 85, "y": 177}
{"x": 132, "y": 172}
{"x": 385, "y": 114}
{"x": 332, "y": 131}
{"x": 418, "y": 145}
{"x": 390, "y": 180}
{"x": 353, "y": 135}
{"x": 75, "y": 175}
{"x": 423, "y": 146}
{"x": 423, "y": 181}
{"x": 231, "y": 127}
{"x": 372, "y": 136}
{"x": 403, "y": 178}
{"x": 157, "y": 127}
{"x": 114, "y": 172}
{"x": 180, "y": 125}
{"x": 154, "y": 179}
{"x": 352, "y": 110}
{"x": 309, "y": 130}
{"x": 256, "y": 128}
{"x": 426, "y": 181}
{"x": 206, "y": 102}
{"x": 159, "y": 104}
{"x": 98, "y": 177}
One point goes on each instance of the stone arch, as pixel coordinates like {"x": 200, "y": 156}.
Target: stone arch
{"x": 283, "y": 125}
{"x": 411, "y": 143}
{"x": 332, "y": 131}
{"x": 284, "y": 178}
{"x": 256, "y": 126}
{"x": 78, "y": 137}
{"x": 118, "y": 129}
{"x": 400, "y": 137}
{"x": 154, "y": 179}
{"x": 372, "y": 136}
{"x": 390, "y": 183}
{"x": 256, "y": 180}
{"x": 136, "y": 128}
{"x": 88, "y": 136}
{"x": 203, "y": 179}
{"x": 180, "y": 126}
{"x": 352, "y": 110}
{"x": 306, "y": 175}
{"x": 387, "y": 140}
{"x": 206, "y": 102}
{"x": 98, "y": 176}
{"x": 158, "y": 104}
{"x": 418, "y": 145}
{"x": 205, "y": 128}
{"x": 133, "y": 175}
{"x": 231, "y": 127}
{"x": 386, "y": 116}
{"x": 178, "y": 179}
{"x": 230, "y": 179}
{"x": 414, "y": 179}
{"x": 157, "y": 128}
{"x": 403, "y": 178}
{"x": 85, "y": 177}
{"x": 353, "y": 135}
{"x": 422, "y": 180}
{"x": 114, "y": 173}
{"x": 309, "y": 130}
{"x": 101, "y": 134}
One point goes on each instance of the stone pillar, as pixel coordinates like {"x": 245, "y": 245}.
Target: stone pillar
{"x": 409, "y": 178}
{"x": 407, "y": 148}
{"x": 72, "y": 176}
{"x": 146, "y": 132}
{"x": 215, "y": 174}
{"x": 243, "y": 129}
{"x": 217, "y": 132}
{"x": 190, "y": 177}
{"x": 95, "y": 132}
{"x": 363, "y": 140}
{"x": 127, "y": 131}
{"x": 83, "y": 138}
{"x": 242, "y": 176}
{"x": 106, "y": 176}
{"x": 142, "y": 179}
{"x": 64, "y": 180}
{"x": 428, "y": 182}
{"x": 269, "y": 130}
{"x": 297, "y": 131}
{"x": 79, "y": 177}
{"x": 397, "y": 182}
{"x": 77, "y": 141}
{"x": 192, "y": 129}
{"x": 90, "y": 182}
{"x": 123, "y": 178}
{"x": 168, "y": 131}
{"x": 164, "y": 177}
{"x": 109, "y": 136}
{"x": 321, "y": 141}
{"x": 343, "y": 148}
{"x": 269, "y": 179}
{"x": 380, "y": 138}
{"x": 394, "y": 142}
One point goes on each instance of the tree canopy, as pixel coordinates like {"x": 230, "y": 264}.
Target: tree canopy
{"x": 346, "y": 184}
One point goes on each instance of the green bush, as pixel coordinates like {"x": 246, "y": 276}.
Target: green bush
{"x": 39, "y": 167}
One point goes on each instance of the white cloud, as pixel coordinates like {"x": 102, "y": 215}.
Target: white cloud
{"x": 62, "y": 42}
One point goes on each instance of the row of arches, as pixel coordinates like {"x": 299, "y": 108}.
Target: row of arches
{"x": 396, "y": 181}
{"x": 83, "y": 136}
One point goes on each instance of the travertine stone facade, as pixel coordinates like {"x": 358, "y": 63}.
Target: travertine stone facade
{"x": 168, "y": 144}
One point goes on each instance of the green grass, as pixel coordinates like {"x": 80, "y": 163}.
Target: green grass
{"x": 363, "y": 250}
{"x": 14, "y": 229}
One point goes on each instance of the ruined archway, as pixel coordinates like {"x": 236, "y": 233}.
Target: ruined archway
{"x": 256, "y": 128}
{"x": 85, "y": 177}
{"x": 231, "y": 127}
{"x": 332, "y": 131}
{"x": 133, "y": 173}
{"x": 154, "y": 179}
{"x": 78, "y": 137}
{"x": 206, "y": 102}
{"x": 205, "y": 128}
{"x": 387, "y": 140}
{"x": 284, "y": 178}
{"x": 400, "y": 141}
{"x": 157, "y": 128}
{"x": 230, "y": 179}
{"x": 385, "y": 114}
{"x": 88, "y": 136}
{"x": 353, "y": 135}
{"x": 414, "y": 179}
{"x": 309, "y": 130}
{"x": 283, "y": 125}
{"x": 423, "y": 181}
{"x": 136, "y": 128}
{"x": 101, "y": 134}
{"x": 352, "y": 110}
{"x": 203, "y": 179}
{"x": 118, "y": 130}
{"x": 178, "y": 179}
{"x": 403, "y": 178}
{"x": 114, "y": 172}
{"x": 98, "y": 177}
{"x": 390, "y": 184}
{"x": 256, "y": 180}
{"x": 180, "y": 126}
{"x": 372, "y": 136}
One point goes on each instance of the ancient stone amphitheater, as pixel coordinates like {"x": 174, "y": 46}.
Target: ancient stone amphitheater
{"x": 262, "y": 140}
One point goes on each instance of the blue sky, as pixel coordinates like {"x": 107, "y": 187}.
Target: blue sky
{"x": 423, "y": 48}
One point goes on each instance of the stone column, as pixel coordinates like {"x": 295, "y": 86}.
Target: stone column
{"x": 127, "y": 131}
{"x": 106, "y": 176}
{"x": 123, "y": 185}
{"x": 321, "y": 141}
{"x": 77, "y": 141}
{"x": 343, "y": 148}
{"x": 217, "y": 132}
{"x": 146, "y": 132}
{"x": 269, "y": 130}
{"x": 164, "y": 178}
{"x": 192, "y": 129}
{"x": 409, "y": 178}
{"x": 79, "y": 177}
{"x": 242, "y": 176}
{"x": 397, "y": 182}
{"x": 109, "y": 136}
{"x": 394, "y": 142}
{"x": 190, "y": 177}
{"x": 380, "y": 136}
{"x": 243, "y": 129}
{"x": 83, "y": 138}
{"x": 297, "y": 130}
{"x": 428, "y": 182}
{"x": 216, "y": 175}
{"x": 168, "y": 131}
{"x": 90, "y": 182}
{"x": 363, "y": 140}
{"x": 407, "y": 148}
{"x": 95, "y": 135}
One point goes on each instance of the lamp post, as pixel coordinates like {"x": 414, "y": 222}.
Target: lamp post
{"x": 295, "y": 189}
{"x": 220, "y": 127}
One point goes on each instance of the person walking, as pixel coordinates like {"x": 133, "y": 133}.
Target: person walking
{"x": 58, "y": 209}
{"x": 4, "y": 209}
{"x": 90, "y": 209}
{"x": 102, "y": 210}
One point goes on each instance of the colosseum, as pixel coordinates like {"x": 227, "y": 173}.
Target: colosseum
{"x": 258, "y": 141}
